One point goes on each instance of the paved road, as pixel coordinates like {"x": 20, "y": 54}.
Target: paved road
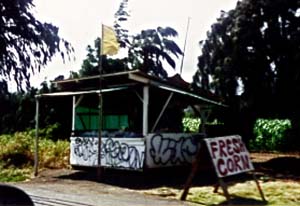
{"x": 86, "y": 193}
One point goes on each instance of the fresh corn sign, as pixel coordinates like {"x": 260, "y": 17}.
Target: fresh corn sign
{"x": 229, "y": 155}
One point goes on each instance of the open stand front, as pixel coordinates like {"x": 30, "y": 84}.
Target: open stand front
{"x": 229, "y": 156}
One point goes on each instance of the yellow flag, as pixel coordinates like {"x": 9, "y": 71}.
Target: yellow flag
{"x": 110, "y": 44}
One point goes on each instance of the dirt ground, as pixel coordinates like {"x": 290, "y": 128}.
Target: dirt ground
{"x": 271, "y": 165}
{"x": 277, "y": 165}
{"x": 160, "y": 183}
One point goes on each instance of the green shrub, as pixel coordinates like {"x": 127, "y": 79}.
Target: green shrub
{"x": 14, "y": 174}
{"x": 15, "y": 150}
{"x": 270, "y": 135}
{"x": 191, "y": 124}
{"x": 54, "y": 154}
{"x": 17, "y": 154}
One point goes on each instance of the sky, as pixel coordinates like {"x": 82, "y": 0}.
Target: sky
{"x": 79, "y": 22}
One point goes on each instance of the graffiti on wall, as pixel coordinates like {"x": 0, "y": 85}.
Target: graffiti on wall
{"x": 166, "y": 149}
{"x": 84, "y": 151}
{"x": 114, "y": 153}
{"x": 121, "y": 154}
{"x": 171, "y": 149}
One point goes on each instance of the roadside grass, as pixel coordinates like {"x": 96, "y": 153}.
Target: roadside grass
{"x": 14, "y": 174}
{"x": 276, "y": 193}
{"x": 17, "y": 155}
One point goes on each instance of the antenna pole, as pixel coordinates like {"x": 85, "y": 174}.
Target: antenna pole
{"x": 186, "y": 35}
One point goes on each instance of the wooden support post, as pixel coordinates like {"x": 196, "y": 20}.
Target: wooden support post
{"x": 259, "y": 188}
{"x": 189, "y": 181}
{"x": 224, "y": 188}
{"x": 216, "y": 187}
{"x": 145, "y": 109}
{"x": 99, "y": 168}
{"x": 73, "y": 112}
{"x": 36, "y": 142}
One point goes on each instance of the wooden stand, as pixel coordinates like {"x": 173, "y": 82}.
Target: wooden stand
{"x": 221, "y": 183}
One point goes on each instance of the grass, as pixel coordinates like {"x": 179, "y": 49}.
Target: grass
{"x": 14, "y": 174}
{"x": 277, "y": 193}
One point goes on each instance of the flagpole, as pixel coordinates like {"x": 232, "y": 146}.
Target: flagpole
{"x": 99, "y": 171}
{"x": 186, "y": 34}
{"x": 109, "y": 46}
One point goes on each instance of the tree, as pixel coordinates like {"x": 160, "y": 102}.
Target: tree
{"x": 26, "y": 44}
{"x": 90, "y": 65}
{"x": 255, "y": 48}
{"x": 148, "y": 49}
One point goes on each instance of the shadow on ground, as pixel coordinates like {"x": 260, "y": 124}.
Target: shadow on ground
{"x": 149, "y": 179}
{"x": 280, "y": 168}
{"x": 235, "y": 200}
{"x": 176, "y": 177}
{"x": 242, "y": 201}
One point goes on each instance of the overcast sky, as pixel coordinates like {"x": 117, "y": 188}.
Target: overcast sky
{"x": 79, "y": 22}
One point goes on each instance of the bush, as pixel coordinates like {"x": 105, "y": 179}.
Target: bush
{"x": 270, "y": 135}
{"x": 54, "y": 154}
{"x": 17, "y": 153}
{"x": 15, "y": 150}
{"x": 191, "y": 124}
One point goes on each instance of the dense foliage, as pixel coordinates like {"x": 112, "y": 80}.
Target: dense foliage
{"x": 17, "y": 153}
{"x": 26, "y": 44}
{"x": 271, "y": 135}
{"x": 17, "y": 111}
{"x": 191, "y": 124}
{"x": 253, "y": 50}
{"x": 148, "y": 49}
{"x": 90, "y": 65}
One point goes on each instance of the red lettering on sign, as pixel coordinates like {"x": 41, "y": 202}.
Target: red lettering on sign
{"x": 229, "y": 148}
{"x": 230, "y": 165}
{"x": 236, "y": 145}
{"x": 221, "y": 167}
{"x": 222, "y": 145}
{"x": 237, "y": 162}
{"x": 241, "y": 145}
{"x": 213, "y": 146}
{"x": 229, "y": 155}
{"x": 245, "y": 162}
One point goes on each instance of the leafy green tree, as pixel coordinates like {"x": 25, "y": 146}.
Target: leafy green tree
{"x": 121, "y": 16}
{"x": 255, "y": 49}
{"x": 26, "y": 44}
{"x": 90, "y": 65}
{"x": 148, "y": 49}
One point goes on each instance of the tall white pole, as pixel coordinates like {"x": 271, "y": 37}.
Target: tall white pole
{"x": 186, "y": 35}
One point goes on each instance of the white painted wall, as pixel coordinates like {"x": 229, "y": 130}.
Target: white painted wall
{"x": 171, "y": 149}
{"x": 115, "y": 152}
{"x": 160, "y": 150}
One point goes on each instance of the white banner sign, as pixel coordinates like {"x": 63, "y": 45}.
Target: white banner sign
{"x": 229, "y": 155}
